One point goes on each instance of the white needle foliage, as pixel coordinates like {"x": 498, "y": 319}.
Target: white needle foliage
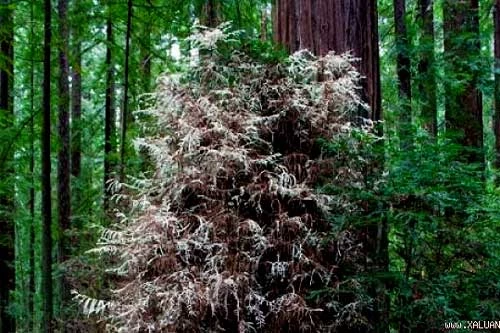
{"x": 230, "y": 234}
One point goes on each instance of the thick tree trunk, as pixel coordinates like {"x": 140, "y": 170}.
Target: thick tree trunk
{"x": 426, "y": 78}
{"x": 64, "y": 155}
{"x": 109, "y": 116}
{"x": 125, "y": 115}
{"x": 325, "y": 25}
{"x": 496, "y": 18}
{"x": 464, "y": 101}
{"x": 47, "y": 294}
{"x": 403, "y": 65}
{"x": 7, "y": 236}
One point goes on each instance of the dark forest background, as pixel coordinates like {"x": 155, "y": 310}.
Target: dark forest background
{"x": 73, "y": 73}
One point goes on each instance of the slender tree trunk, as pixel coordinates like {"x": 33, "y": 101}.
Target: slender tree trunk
{"x": 76, "y": 129}
{"x": 464, "y": 101}
{"x": 31, "y": 230}
{"x": 47, "y": 294}
{"x": 124, "y": 115}
{"x": 76, "y": 110}
{"x": 7, "y": 233}
{"x": 263, "y": 24}
{"x": 275, "y": 19}
{"x": 210, "y": 18}
{"x": 403, "y": 65}
{"x": 238, "y": 16}
{"x": 426, "y": 78}
{"x": 109, "y": 116}
{"x": 496, "y": 18}
{"x": 64, "y": 156}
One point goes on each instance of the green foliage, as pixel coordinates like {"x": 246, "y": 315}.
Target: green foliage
{"x": 443, "y": 253}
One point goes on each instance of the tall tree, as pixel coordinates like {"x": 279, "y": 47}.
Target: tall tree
{"x": 496, "y": 18}
{"x": 64, "y": 155}
{"x": 341, "y": 26}
{"x": 426, "y": 76}
{"x": 7, "y": 271}
{"x": 32, "y": 197}
{"x": 403, "y": 65}
{"x": 462, "y": 50}
{"x": 47, "y": 294}
{"x": 125, "y": 115}
{"x": 76, "y": 104}
{"x": 109, "y": 112}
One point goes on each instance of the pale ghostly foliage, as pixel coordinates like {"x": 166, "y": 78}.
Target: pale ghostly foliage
{"x": 189, "y": 257}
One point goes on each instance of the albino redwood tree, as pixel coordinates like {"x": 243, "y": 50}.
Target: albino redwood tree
{"x": 230, "y": 233}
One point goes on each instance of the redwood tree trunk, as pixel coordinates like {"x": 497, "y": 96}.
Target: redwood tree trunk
{"x": 426, "y": 78}
{"x": 461, "y": 42}
{"x": 7, "y": 271}
{"x": 47, "y": 295}
{"x": 325, "y": 25}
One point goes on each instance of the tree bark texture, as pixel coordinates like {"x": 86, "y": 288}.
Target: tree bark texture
{"x": 7, "y": 234}
{"x": 47, "y": 294}
{"x": 462, "y": 47}
{"x": 331, "y": 25}
{"x": 426, "y": 80}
